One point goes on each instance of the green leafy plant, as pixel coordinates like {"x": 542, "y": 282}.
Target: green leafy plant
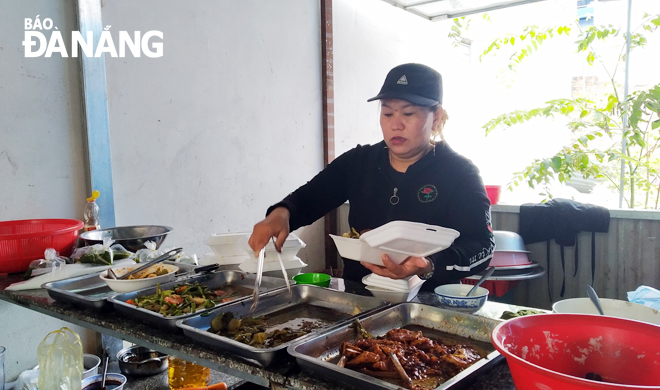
{"x": 607, "y": 130}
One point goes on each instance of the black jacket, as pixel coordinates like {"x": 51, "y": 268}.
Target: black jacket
{"x": 443, "y": 188}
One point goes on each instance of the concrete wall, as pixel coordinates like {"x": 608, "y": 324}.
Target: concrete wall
{"x": 225, "y": 124}
{"x": 42, "y": 172}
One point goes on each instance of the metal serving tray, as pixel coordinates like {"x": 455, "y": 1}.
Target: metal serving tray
{"x": 318, "y": 354}
{"x": 304, "y": 299}
{"x": 212, "y": 281}
{"x": 90, "y": 292}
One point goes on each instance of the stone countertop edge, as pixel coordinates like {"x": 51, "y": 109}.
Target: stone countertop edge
{"x": 178, "y": 345}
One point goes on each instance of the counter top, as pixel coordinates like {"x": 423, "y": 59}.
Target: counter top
{"x": 287, "y": 374}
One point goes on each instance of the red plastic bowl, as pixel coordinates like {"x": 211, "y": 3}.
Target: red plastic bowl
{"x": 556, "y": 351}
{"x": 493, "y": 193}
{"x": 509, "y": 259}
{"x": 26, "y": 240}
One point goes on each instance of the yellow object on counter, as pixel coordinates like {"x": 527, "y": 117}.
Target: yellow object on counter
{"x": 183, "y": 374}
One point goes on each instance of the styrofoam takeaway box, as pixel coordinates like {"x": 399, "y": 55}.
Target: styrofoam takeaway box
{"x": 398, "y": 240}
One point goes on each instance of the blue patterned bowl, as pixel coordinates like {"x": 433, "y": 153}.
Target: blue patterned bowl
{"x": 452, "y": 297}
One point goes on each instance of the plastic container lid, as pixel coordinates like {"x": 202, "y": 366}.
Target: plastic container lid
{"x": 410, "y": 238}
{"x": 225, "y": 238}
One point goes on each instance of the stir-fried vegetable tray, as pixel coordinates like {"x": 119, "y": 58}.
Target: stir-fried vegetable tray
{"x": 165, "y": 304}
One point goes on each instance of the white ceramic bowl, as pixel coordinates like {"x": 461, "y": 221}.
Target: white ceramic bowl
{"x": 394, "y": 296}
{"x": 611, "y": 307}
{"x": 453, "y": 297}
{"x": 122, "y": 286}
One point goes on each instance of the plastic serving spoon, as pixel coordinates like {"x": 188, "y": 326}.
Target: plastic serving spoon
{"x": 594, "y": 299}
{"x": 105, "y": 372}
{"x": 483, "y": 278}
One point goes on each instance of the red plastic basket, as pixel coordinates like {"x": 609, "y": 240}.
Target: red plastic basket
{"x": 495, "y": 287}
{"x": 26, "y": 240}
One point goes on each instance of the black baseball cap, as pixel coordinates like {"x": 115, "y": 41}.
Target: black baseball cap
{"x": 415, "y": 83}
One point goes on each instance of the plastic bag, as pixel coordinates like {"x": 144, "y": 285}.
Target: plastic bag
{"x": 120, "y": 253}
{"x": 60, "y": 357}
{"x": 100, "y": 254}
{"x": 645, "y": 295}
{"x": 183, "y": 258}
{"x": 28, "y": 380}
{"x": 50, "y": 263}
{"x": 148, "y": 253}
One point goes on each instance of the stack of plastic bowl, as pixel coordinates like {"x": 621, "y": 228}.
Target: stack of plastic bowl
{"x": 231, "y": 251}
{"x": 509, "y": 251}
{"x": 393, "y": 290}
{"x": 509, "y": 259}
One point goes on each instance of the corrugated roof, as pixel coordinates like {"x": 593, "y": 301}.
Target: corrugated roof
{"x": 448, "y": 9}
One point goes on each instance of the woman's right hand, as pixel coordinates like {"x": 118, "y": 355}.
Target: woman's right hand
{"x": 275, "y": 225}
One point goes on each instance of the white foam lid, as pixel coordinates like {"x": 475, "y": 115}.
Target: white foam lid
{"x": 406, "y": 284}
{"x": 410, "y": 238}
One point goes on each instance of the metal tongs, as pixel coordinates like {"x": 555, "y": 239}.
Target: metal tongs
{"x": 260, "y": 271}
{"x": 257, "y": 280}
{"x": 150, "y": 263}
{"x": 284, "y": 273}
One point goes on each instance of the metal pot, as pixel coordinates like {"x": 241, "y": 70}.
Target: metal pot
{"x": 141, "y": 361}
{"x": 132, "y": 238}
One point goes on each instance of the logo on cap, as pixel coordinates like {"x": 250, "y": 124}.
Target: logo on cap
{"x": 403, "y": 80}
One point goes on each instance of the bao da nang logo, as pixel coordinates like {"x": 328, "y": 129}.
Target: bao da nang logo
{"x": 36, "y": 45}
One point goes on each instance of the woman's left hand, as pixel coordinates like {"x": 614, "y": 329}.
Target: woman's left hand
{"x": 410, "y": 266}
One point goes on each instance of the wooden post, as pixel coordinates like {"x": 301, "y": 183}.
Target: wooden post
{"x": 327, "y": 87}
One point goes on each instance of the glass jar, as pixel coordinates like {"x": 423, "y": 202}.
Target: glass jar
{"x": 182, "y": 374}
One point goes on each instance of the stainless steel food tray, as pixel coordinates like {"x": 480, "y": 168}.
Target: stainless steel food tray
{"x": 90, "y": 292}
{"x": 314, "y": 354}
{"x": 212, "y": 281}
{"x": 301, "y": 296}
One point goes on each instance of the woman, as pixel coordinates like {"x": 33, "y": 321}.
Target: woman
{"x": 412, "y": 175}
